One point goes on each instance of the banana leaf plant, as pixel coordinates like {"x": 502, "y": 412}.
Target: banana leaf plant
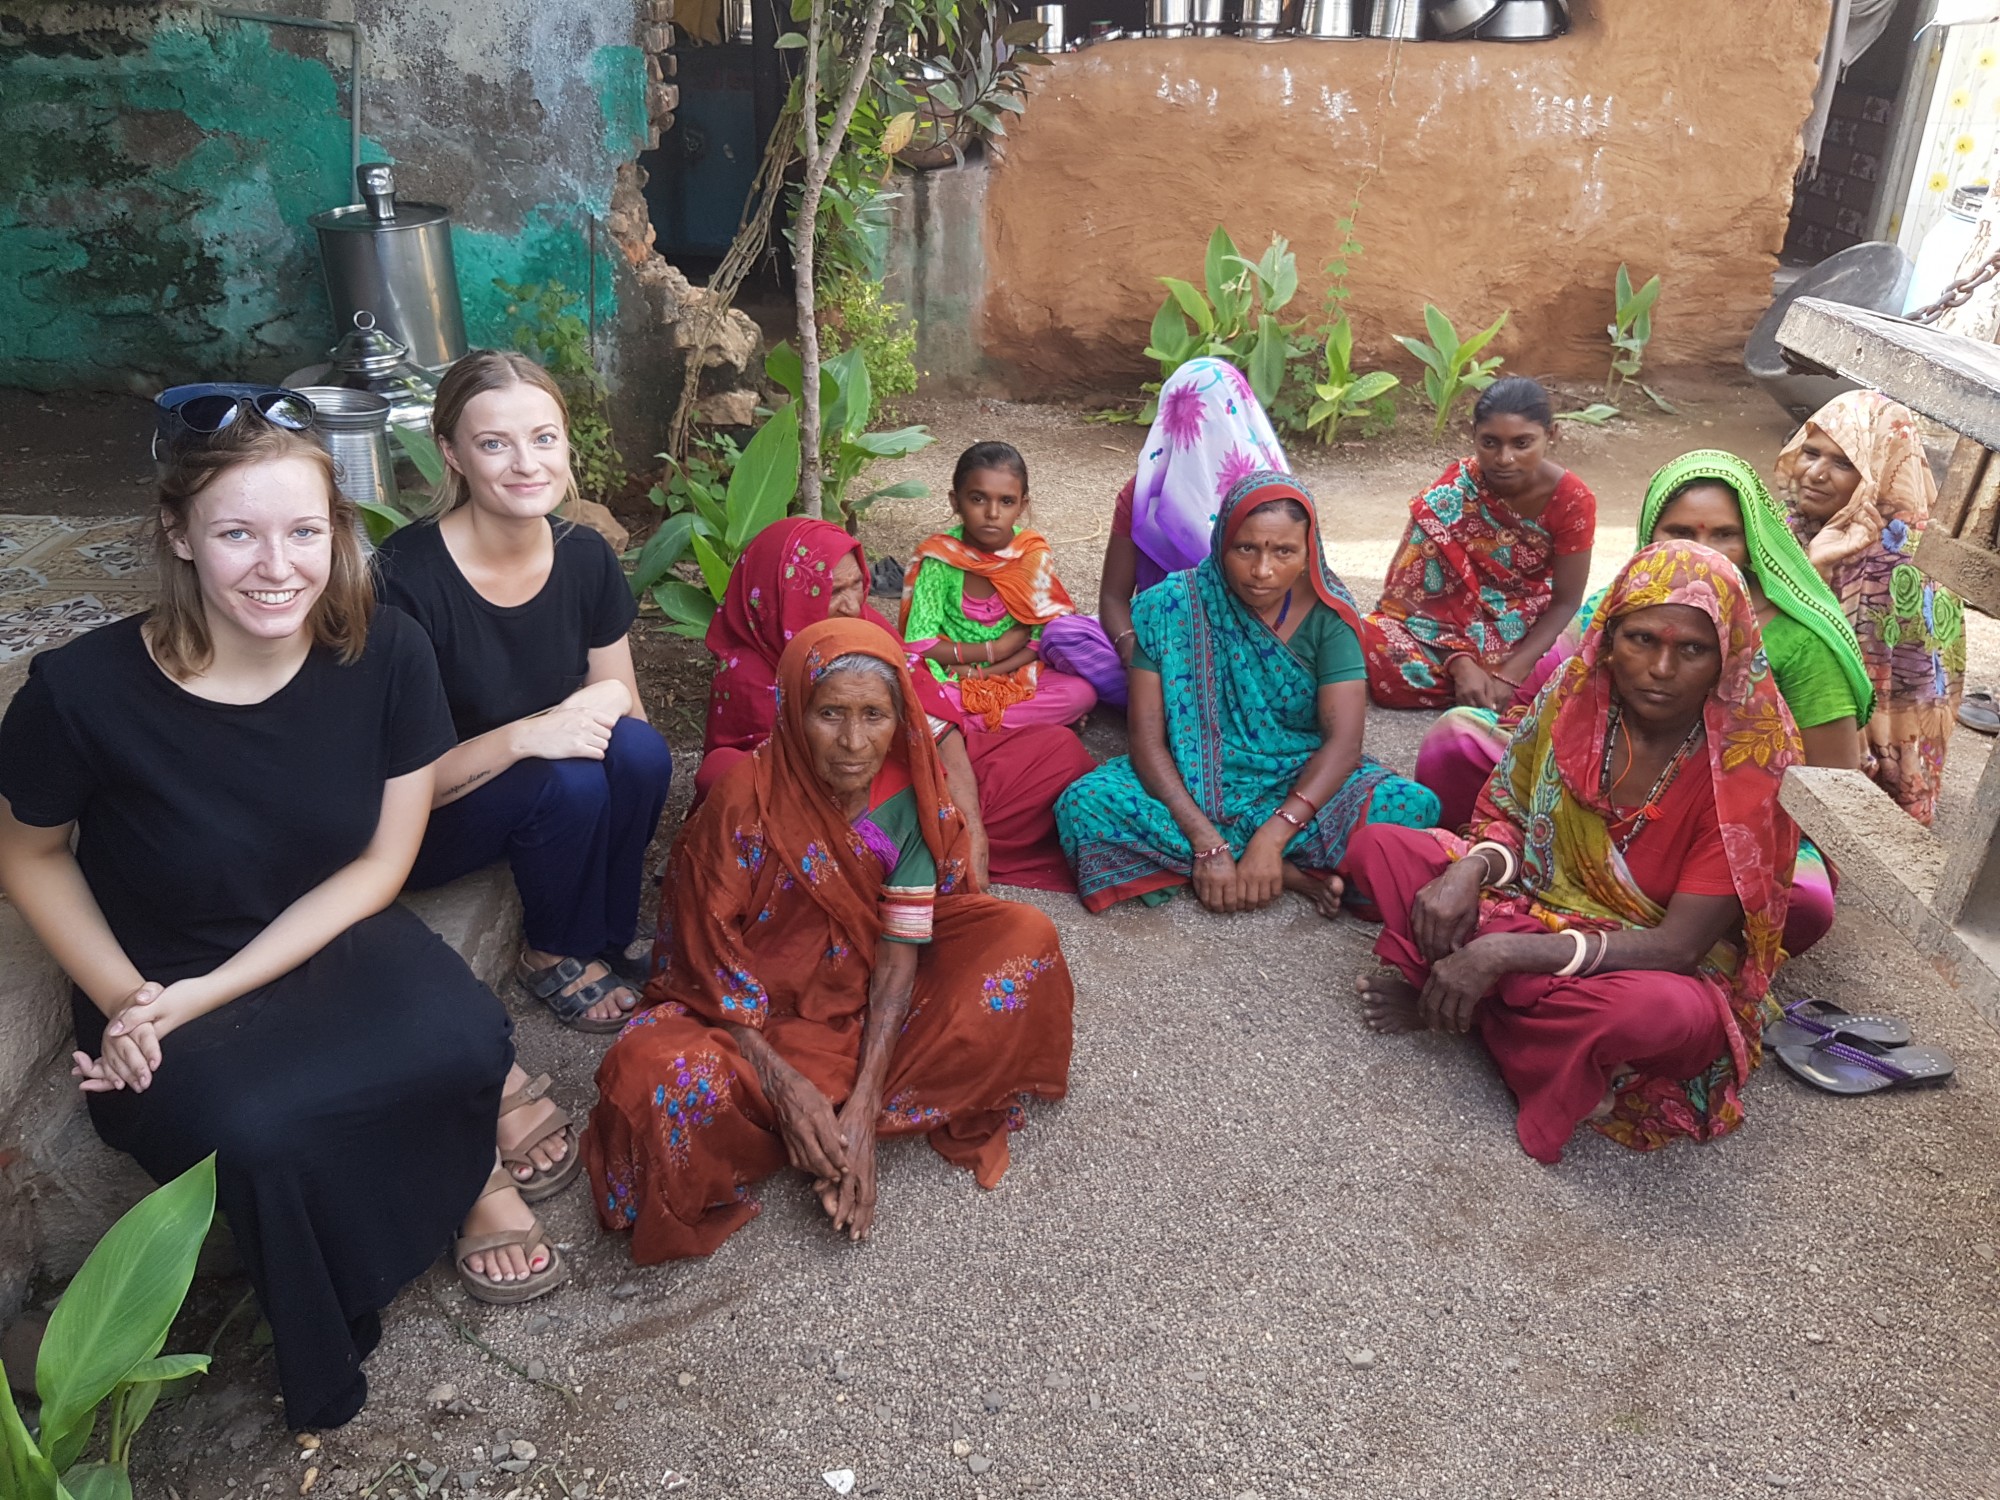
{"x": 102, "y": 1349}
{"x": 1233, "y": 316}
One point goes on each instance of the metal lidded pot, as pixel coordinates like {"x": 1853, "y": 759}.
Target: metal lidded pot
{"x": 367, "y": 359}
{"x": 1169, "y": 17}
{"x": 1261, "y": 18}
{"x": 354, "y": 427}
{"x": 1403, "y": 19}
{"x": 1209, "y": 16}
{"x": 393, "y": 260}
{"x": 1326, "y": 20}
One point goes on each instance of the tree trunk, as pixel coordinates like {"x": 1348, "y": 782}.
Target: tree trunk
{"x": 819, "y": 155}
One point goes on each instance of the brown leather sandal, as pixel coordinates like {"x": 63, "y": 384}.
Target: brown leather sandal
{"x": 546, "y": 1181}
{"x": 508, "y": 1293}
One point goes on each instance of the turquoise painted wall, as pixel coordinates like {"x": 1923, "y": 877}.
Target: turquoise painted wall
{"x": 157, "y": 180}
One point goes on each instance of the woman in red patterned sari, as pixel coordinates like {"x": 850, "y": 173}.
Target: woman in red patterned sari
{"x": 823, "y": 976}
{"x": 1492, "y": 569}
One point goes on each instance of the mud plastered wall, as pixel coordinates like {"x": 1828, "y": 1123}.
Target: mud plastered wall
{"x": 162, "y": 163}
{"x": 1492, "y": 177}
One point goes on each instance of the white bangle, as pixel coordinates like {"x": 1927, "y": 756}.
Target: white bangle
{"x": 1508, "y": 863}
{"x": 1577, "y": 936}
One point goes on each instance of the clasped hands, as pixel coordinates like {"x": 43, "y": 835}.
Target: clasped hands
{"x": 1226, "y": 884}
{"x": 837, "y": 1147}
{"x": 130, "y": 1052}
{"x": 1462, "y": 973}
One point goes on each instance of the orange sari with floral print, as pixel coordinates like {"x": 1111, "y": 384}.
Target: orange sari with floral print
{"x": 771, "y": 919}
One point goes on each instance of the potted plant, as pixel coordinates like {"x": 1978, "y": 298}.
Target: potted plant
{"x": 962, "y": 93}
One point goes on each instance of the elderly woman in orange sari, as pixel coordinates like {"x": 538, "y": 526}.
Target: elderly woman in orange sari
{"x": 1613, "y": 931}
{"x": 823, "y": 975}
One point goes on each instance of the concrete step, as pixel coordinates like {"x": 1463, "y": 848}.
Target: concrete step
{"x": 60, "y": 1186}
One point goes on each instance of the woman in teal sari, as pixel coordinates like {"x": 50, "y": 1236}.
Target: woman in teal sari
{"x": 1248, "y": 696}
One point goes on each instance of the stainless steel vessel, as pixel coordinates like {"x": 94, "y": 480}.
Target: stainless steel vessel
{"x": 1451, "y": 19}
{"x": 1326, "y": 20}
{"x": 367, "y": 359}
{"x": 1396, "y": 18}
{"x": 1208, "y": 16}
{"x": 1261, "y": 18}
{"x": 394, "y": 260}
{"x": 1054, "y": 39}
{"x": 354, "y": 427}
{"x": 1523, "y": 21}
{"x": 1169, "y": 17}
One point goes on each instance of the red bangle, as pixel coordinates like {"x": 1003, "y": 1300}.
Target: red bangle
{"x": 1295, "y": 822}
{"x": 1202, "y": 854}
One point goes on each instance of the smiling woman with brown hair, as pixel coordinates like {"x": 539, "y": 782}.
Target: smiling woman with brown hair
{"x": 1613, "y": 931}
{"x": 823, "y": 975}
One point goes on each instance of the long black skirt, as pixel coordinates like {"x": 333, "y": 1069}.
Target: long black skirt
{"x": 351, "y": 1105}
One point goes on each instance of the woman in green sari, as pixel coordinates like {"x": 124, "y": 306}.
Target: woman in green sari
{"x": 1248, "y": 696}
{"x": 1714, "y": 499}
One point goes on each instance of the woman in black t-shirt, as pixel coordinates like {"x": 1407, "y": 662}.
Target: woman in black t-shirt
{"x": 246, "y": 772}
{"x": 556, "y": 769}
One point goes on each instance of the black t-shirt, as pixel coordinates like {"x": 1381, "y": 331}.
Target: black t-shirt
{"x": 199, "y": 822}
{"x": 503, "y": 662}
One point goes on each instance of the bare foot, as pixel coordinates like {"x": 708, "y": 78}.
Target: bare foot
{"x": 1388, "y": 1004}
{"x": 1324, "y": 891}
{"x": 1610, "y": 1100}
{"x": 523, "y": 1123}
{"x": 490, "y": 1215}
{"x": 621, "y": 1002}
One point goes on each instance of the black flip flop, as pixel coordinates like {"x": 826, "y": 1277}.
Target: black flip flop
{"x": 1809, "y": 1020}
{"x": 1860, "y": 1067}
{"x": 1980, "y": 713}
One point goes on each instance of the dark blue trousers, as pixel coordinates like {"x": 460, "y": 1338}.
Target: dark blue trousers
{"x": 574, "y": 832}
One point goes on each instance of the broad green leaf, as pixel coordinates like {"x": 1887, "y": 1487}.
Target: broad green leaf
{"x": 1622, "y": 285}
{"x": 897, "y": 132}
{"x": 117, "y": 1310}
{"x": 685, "y": 605}
{"x": 714, "y": 571}
{"x": 1443, "y": 336}
{"x": 1594, "y": 415}
{"x": 99, "y": 1482}
{"x": 791, "y": 41}
{"x": 903, "y": 489}
{"x": 1481, "y": 339}
{"x": 1215, "y": 263}
{"x": 1169, "y": 331}
{"x": 1192, "y": 303}
{"x": 896, "y": 443}
{"x": 663, "y": 549}
{"x": 1267, "y": 360}
{"x": 1425, "y": 354}
{"x": 24, "y": 1470}
{"x": 713, "y": 520}
{"x": 945, "y": 93}
{"x": 658, "y": 497}
{"x": 1371, "y": 387}
{"x": 1285, "y": 284}
{"x": 1025, "y": 33}
{"x": 856, "y": 401}
{"x": 1642, "y": 302}
{"x": 1014, "y": 104}
{"x": 766, "y": 478}
{"x": 380, "y": 521}
{"x": 786, "y": 370}
{"x": 1660, "y": 401}
{"x": 1340, "y": 349}
{"x": 422, "y": 450}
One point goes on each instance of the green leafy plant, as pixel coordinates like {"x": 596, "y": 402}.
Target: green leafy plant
{"x": 1597, "y": 414}
{"x": 847, "y": 398}
{"x": 853, "y": 315}
{"x": 969, "y": 87}
{"x": 1343, "y": 395}
{"x": 102, "y": 1348}
{"x": 548, "y": 329}
{"x": 1451, "y": 367}
{"x": 715, "y": 529}
{"x": 1233, "y": 316}
{"x": 1631, "y": 329}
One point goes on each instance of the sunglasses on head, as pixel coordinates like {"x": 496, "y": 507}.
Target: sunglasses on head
{"x": 213, "y": 413}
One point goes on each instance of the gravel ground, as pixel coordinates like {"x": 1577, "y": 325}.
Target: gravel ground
{"x": 1259, "y": 1251}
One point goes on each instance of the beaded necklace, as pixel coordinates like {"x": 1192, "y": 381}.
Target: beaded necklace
{"x": 1649, "y": 810}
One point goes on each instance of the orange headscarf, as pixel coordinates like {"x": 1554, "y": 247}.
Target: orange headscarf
{"x": 1880, "y": 439}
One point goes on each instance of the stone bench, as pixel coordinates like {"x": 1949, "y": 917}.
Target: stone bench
{"x": 61, "y": 1187}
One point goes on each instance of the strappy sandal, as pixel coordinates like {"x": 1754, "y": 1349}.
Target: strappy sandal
{"x": 1979, "y": 712}
{"x": 1808, "y": 1021}
{"x": 508, "y": 1293}
{"x": 547, "y": 985}
{"x": 546, "y": 1181}
{"x": 1859, "y": 1067}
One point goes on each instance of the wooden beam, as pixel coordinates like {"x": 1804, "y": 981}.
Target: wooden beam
{"x": 1948, "y": 377}
{"x": 1969, "y": 466}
